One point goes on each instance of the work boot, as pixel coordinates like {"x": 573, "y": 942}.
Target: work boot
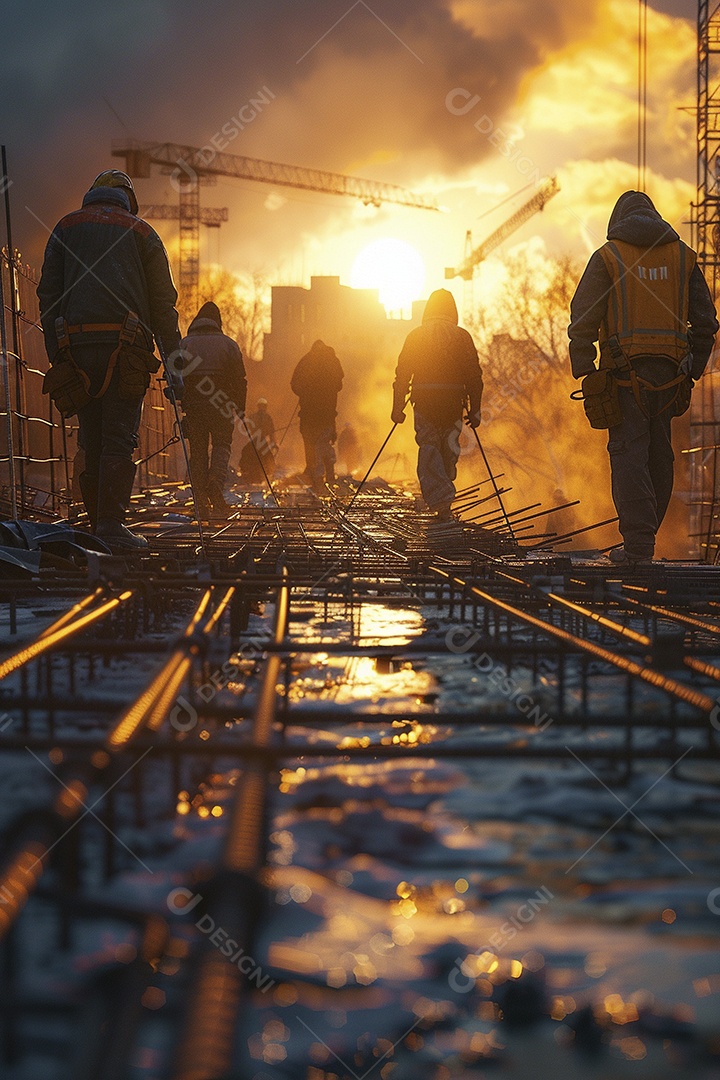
{"x": 117, "y": 475}
{"x": 216, "y": 497}
{"x": 89, "y": 490}
{"x": 621, "y": 557}
{"x": 202, "y": 506}
{"x": 444, "y": 513}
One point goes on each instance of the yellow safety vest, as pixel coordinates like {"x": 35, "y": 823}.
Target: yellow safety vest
{"x": 647, "y": 311}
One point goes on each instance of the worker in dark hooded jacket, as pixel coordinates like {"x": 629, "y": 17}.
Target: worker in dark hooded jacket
{"x": 439, "y": 368}
{"x": 317, "y": 380}
{"x": 644, "y": 298}
{"x": 105, "y": 292}
{"x": 215, "y": 389}
{"x": 257, "y": 460}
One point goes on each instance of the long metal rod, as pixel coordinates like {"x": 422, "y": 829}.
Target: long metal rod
{"x": 575, "y": 532}
{"x": 14, "y": 321}
{"x": 207, "y": 1044}
{"x": 367, "y": 474}
{"x": 649, "y": 675}
{"x": 183, "y": 443}
{"x": 51, "y": 639}
{"x": 8, "y": 404}
{"x": 24, "y": 868}
{"x": 495, "y": 487}
{"x": 260, "y": 461}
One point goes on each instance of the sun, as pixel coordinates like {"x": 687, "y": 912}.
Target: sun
{"x": 395, "y": 269}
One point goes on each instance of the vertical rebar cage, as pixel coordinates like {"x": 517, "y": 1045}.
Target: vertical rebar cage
{"x": 704, "y": 420}
{"x": 35, "y": 449}
{"x": 39, "y": 453}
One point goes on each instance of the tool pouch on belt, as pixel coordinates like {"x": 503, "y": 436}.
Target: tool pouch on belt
{"x": 135, "y": 366}
{"x": 67, "y": 385}
{"x": 599, "y": 394}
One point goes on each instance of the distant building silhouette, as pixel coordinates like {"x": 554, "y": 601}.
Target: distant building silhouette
{"x": 364, "y": 338}
{"x": 354, "y": 321}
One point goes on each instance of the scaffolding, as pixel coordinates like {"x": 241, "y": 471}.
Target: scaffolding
{"x": 704, "y": 420}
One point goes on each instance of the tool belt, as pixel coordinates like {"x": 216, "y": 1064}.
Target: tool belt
{"x": 599, "y": 390}
{"x": 69, "y": 386}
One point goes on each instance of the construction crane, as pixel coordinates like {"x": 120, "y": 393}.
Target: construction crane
{"x": 190, "y": 167}
{"x": 474, "y": 256}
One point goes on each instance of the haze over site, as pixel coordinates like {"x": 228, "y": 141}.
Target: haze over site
{"x": 365, "y": 89}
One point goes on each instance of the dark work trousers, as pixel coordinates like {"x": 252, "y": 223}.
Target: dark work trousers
{"x": 319, "y": 453}
{"x": 202, "y": 425}
{"x": 109, "y": 425}
{"x": 438, "y": 452}
{"x": 641, "y": 457}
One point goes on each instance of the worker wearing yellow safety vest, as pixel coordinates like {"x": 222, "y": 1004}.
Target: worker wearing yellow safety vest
{"x": 644, "y": 299}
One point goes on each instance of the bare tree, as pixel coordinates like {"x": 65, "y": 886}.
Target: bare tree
{"x": 244, "y": 302}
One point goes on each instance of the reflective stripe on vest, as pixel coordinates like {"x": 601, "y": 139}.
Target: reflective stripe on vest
{"x": 648, "y": 306}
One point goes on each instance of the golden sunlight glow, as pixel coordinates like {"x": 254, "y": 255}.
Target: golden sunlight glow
{"x": 394, "y": 268}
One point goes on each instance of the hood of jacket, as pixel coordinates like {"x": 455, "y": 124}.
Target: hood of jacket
{"x": 320, "y": 351}
{"x": 636, "y": 221}
{"x": 441, "y": 305}
{"x": 209, "y": 310}
{"x": 203, "y": 326}
{"x": 116, "y": 196}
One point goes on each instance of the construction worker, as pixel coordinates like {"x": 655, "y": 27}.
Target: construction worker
{"x": 257, "y": 460}
{"x": 317, "y": 381}
{"x": 261, "y": 425}
{"x": 105, "y": 292}
{"x": 215, "y": 389}
{"x": 644, "y": 298}
{"x": 439, "y": 368}
{"x": 348, "y": 449}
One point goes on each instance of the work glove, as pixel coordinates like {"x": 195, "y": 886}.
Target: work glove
{"x": 473, "y": 418}
{"x": 686, "y": 365}
{"x": 398, "y": 405}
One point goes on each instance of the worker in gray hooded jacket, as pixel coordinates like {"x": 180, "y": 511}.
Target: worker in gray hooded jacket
{"x": 644, "y": 299}
{"x": 215, "y": 389}
{"x": 439, "y": 368}
{"x": 106, "y": 296}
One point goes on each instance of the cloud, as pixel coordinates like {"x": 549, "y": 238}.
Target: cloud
{"x": 360, "y": 88}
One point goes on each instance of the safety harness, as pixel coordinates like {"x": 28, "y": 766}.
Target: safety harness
{"x": 637, "y": 384}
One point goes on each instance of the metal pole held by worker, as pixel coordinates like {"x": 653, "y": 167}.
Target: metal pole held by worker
{"x": 183, "y": 442}
{"x": 260, "y": 460}
{"x": 498, "y": 495}
{"x": 374, "y": 463}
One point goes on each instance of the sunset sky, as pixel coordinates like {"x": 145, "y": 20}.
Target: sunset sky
{"x": 466, "y": 100}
